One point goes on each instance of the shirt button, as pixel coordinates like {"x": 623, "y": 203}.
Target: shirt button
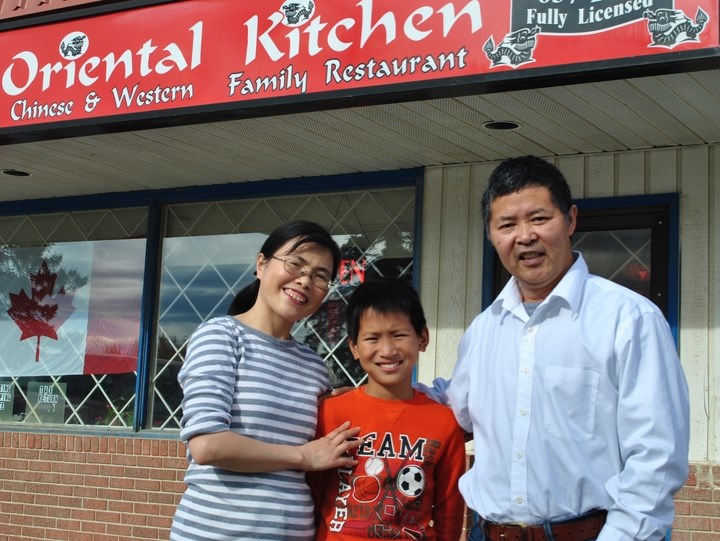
{"x": 518, "y": 500}
{"x": 525, "y": 370}
{"x": 519, "y": 454}
{"x": 523, "y": 413}
{"x": 531, "y": 330}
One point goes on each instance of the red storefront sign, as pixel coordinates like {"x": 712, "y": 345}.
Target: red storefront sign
{"x": 168, "y": 57}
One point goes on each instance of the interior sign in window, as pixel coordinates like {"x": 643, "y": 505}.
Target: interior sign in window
{"x": 7, "y": 396}
{"x": 46, "y": 403}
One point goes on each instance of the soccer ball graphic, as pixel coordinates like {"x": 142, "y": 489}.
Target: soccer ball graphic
{"x": 411, "y": 481}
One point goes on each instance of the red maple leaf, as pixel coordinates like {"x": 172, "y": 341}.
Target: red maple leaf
{"x": 42, "y": 314}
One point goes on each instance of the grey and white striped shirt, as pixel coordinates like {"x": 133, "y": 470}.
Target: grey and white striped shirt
{"x": 240, "y": 379}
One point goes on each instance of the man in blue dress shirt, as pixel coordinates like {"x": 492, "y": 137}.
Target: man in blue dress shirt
{"x": 570, "y": 384}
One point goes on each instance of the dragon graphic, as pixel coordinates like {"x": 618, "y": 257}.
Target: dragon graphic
{"x": 670, "y": 27}
{"x": 294, "y": 11}
{"x": 515, "y": 49}
{"x": 73, "y": 47}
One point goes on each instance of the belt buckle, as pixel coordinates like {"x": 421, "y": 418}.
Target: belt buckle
{"x": 515, "y": 526}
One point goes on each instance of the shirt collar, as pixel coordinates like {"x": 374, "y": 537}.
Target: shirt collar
{"x": 568, "y": 289}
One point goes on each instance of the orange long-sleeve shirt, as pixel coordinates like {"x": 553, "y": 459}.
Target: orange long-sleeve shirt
{"x": 405, "y": 483}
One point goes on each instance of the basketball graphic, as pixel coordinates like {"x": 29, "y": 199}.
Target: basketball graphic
{"x": 366, "y": 489}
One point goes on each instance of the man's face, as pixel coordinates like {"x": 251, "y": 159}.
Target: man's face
{"x": 532, "y": 239}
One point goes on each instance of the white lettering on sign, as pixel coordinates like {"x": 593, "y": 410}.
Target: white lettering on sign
{"x": 48, "y": 398}
{"x": 336, "y": 72}
{"x": 128, "y": 97}
{"x": 25, "y": 69}
{"x": 286, "y": 78}
{"x": 318, "y": 34}
{"x": 598, "y": 14}
{"x": 22, "y": 110}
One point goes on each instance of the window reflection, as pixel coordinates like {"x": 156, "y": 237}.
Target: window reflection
{"x": 623, "y": 256}
{"x": 209, "y": 254}
{"x": 69, "y": 328}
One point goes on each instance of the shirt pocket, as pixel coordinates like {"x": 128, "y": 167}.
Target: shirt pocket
{"x": 568, "y": 402}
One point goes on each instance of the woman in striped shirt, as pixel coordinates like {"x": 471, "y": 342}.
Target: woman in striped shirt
{"x": 250, "y": 395}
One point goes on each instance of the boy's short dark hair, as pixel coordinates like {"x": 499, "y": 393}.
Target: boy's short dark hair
{"x": 390, "y": 295}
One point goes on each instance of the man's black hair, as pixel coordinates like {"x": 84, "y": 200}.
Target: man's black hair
{"x": 515, "y": 174}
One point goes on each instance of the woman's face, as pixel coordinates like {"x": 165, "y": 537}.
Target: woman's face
{"x": 287, "y": 289}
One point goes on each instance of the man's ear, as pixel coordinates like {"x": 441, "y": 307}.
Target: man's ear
{"x": 572, "y": 223}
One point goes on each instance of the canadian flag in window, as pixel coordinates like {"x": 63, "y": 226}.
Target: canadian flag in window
{"x": 71, "y": 308}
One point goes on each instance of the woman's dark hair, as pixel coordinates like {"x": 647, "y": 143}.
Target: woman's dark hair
{"x": 390, "y": 295}
{"x": 515, "y": 174}
{"x": 303, "y": 232}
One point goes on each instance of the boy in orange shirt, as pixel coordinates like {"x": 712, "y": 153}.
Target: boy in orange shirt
{"x": 404, "y": 485}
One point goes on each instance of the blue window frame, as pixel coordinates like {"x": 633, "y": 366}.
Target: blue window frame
{"x": 154, "y": 203}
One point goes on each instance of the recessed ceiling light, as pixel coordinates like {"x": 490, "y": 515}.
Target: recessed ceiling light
{"x": 501, "y": 125}
{"x": 15, "y": 173}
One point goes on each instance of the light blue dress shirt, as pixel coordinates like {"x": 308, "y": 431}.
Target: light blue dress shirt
{"x": 582, "y": 406}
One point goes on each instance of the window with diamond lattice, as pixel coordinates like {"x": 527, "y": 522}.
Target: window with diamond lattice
{"x": 208, "y": 254}
{"x": 70, "y": 292}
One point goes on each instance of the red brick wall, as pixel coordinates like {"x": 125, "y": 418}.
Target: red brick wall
{"x": 88, "y": 488}
{"x": 697, "y": 505}
{"x": 104, "y": 488}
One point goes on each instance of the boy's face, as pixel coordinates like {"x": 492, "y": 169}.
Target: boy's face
{"x": 388, "y": 349}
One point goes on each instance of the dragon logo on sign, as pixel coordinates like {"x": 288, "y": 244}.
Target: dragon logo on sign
{"x": 515, "y": 49}
{"x": 670, "y": 27}
{"x": 297, "y": 12}
{"x": 74, "y": 45}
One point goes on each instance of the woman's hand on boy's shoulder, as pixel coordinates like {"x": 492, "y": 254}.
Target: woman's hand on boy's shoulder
{"x": 337, "y": 392}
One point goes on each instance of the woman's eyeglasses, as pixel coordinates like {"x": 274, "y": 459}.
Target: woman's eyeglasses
{"x": 320, "y": 279}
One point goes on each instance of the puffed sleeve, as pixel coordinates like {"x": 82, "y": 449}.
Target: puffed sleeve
{"x": 207, "y": 379}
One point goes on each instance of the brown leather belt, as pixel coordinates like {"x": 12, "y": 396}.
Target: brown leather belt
{"x": 578, "y": 529}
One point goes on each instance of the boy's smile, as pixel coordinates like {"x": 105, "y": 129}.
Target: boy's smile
{"x": 388, "y": 349}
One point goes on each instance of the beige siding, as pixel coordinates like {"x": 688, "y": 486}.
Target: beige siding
{"x": 450, "y": 271}
{"x": 694, "y": 309}
{"x": 714, "y": 300}
{"x": 430, "y": 267}
{"x": 662, "y": 171}
{"x": 599, "y": 176}
{"x": 631, "y": 169}
{"x": 574, "y": 171}
{"x": 451, "y": 263}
